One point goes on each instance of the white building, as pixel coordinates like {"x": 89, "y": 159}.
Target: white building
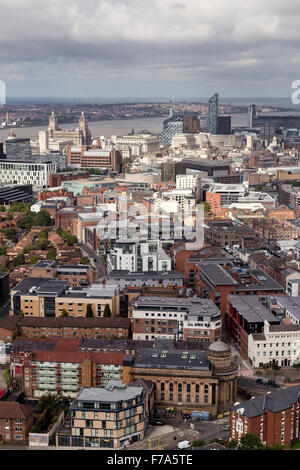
{"x": 188, "y": 181}
{"x": 278, "y": 344}
{"x": 183, "y": 140}
{"x": 135, "y": 255}
{"x": 185, "y": 198}
{"x": 44, "y": 142}
{"x": 36, "y": 174}
{"x": 138, "y": 143}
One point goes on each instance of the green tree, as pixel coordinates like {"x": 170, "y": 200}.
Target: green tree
{"x": 10, "y": 233}
{"x": 48, "y": 401}
{"x": 52, "y": 254}
{"x": 250, "y": 442}
{"x": 86, "y": 261}
{"x": 21, "y": 314}
{"x": 3, "y": 250}
{"x": 233, "y": 444}
{"x": 34, "y": 259}
{"x": 266, "y": 366}
{"x": 18, "y": 260}
{"x": 198, "y": 443}
{"x": 89, "y": 311}
{"x": 64, "y": 313}
{"x": 7, "y": 378}
{"x": 107, "y": 311}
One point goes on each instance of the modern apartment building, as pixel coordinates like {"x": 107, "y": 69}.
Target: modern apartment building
{"x": 176, "y": 318}
{"x": 107, "y": 417}
{"x": 42, "y": 297}
{"x": 134, "y": 255}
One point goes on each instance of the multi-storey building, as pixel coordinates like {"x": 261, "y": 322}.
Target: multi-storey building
{"x": 42, "y": 297}
{"x": 89, "y": 156}
{"x": 213, "y": 113}
{"x": 69, "y": 327}
{"x": 76, "y": 275}
{"x": 138, "y": 143}
{"x": 18, "y": 149}
{"x": 106, "y": 417}
{"x": 20, "y": 172}
{"x": 218, "y": 279}
{"x": 274, "y": 417}
{"x": 80, "y": 136}
{"x": 16, "y": 421}
{"x": 246, "y": 316}
{"x": 171, "y": 126}
{"x": 67, "y": 370}
{"x": 276, "y": 344}
{"x": 134, "y": 255}
{"x": 126, "y": 278}
{"x": 176, "y": 318}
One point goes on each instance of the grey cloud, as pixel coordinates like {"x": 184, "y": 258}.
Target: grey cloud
{"x": 172, "y": 44}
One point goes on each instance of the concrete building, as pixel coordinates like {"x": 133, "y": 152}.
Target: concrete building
{"x": 20, "y": 172}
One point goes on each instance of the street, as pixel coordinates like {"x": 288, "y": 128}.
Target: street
{"x": 93, "y": 256}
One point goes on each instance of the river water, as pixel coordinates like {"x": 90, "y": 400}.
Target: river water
{"x": 119, "y": 127}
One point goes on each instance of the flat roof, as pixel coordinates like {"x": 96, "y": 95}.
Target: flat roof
{"x": 106, "y": 395}
{"x": 250, "y": 307}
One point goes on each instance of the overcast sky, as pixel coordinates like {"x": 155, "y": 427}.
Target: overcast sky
{"x": 149, "y": 47}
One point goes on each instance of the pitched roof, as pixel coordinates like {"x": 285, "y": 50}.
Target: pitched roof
{"x": 275, "y": 402}
{"x": 14, "y": 410}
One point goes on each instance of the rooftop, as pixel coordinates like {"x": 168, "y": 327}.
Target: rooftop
{"x": 276, "y": 401}
{"x": 172, "y": 359}
{"x": 114, "y": 392}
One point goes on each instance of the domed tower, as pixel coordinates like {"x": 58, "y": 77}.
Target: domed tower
{"x": 219, "y": 355}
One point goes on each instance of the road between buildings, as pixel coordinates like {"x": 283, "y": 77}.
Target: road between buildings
{"x": 99, "y": 265}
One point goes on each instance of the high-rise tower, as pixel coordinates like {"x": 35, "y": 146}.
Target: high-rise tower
{"x": 213, "y": 112}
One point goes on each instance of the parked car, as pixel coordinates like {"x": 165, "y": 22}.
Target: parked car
{"x": 273, "y": 383}
{"x": 186, "y": 416}
{"x": 244, "y": 393}
{"x": 261, "y": 381}
{"x": 157, "y": 423}
{"x": 227, "y": 427}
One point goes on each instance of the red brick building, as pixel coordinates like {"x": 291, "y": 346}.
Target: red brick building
{"x": 273, "y": 417}
{"x": 16, "y": 421}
